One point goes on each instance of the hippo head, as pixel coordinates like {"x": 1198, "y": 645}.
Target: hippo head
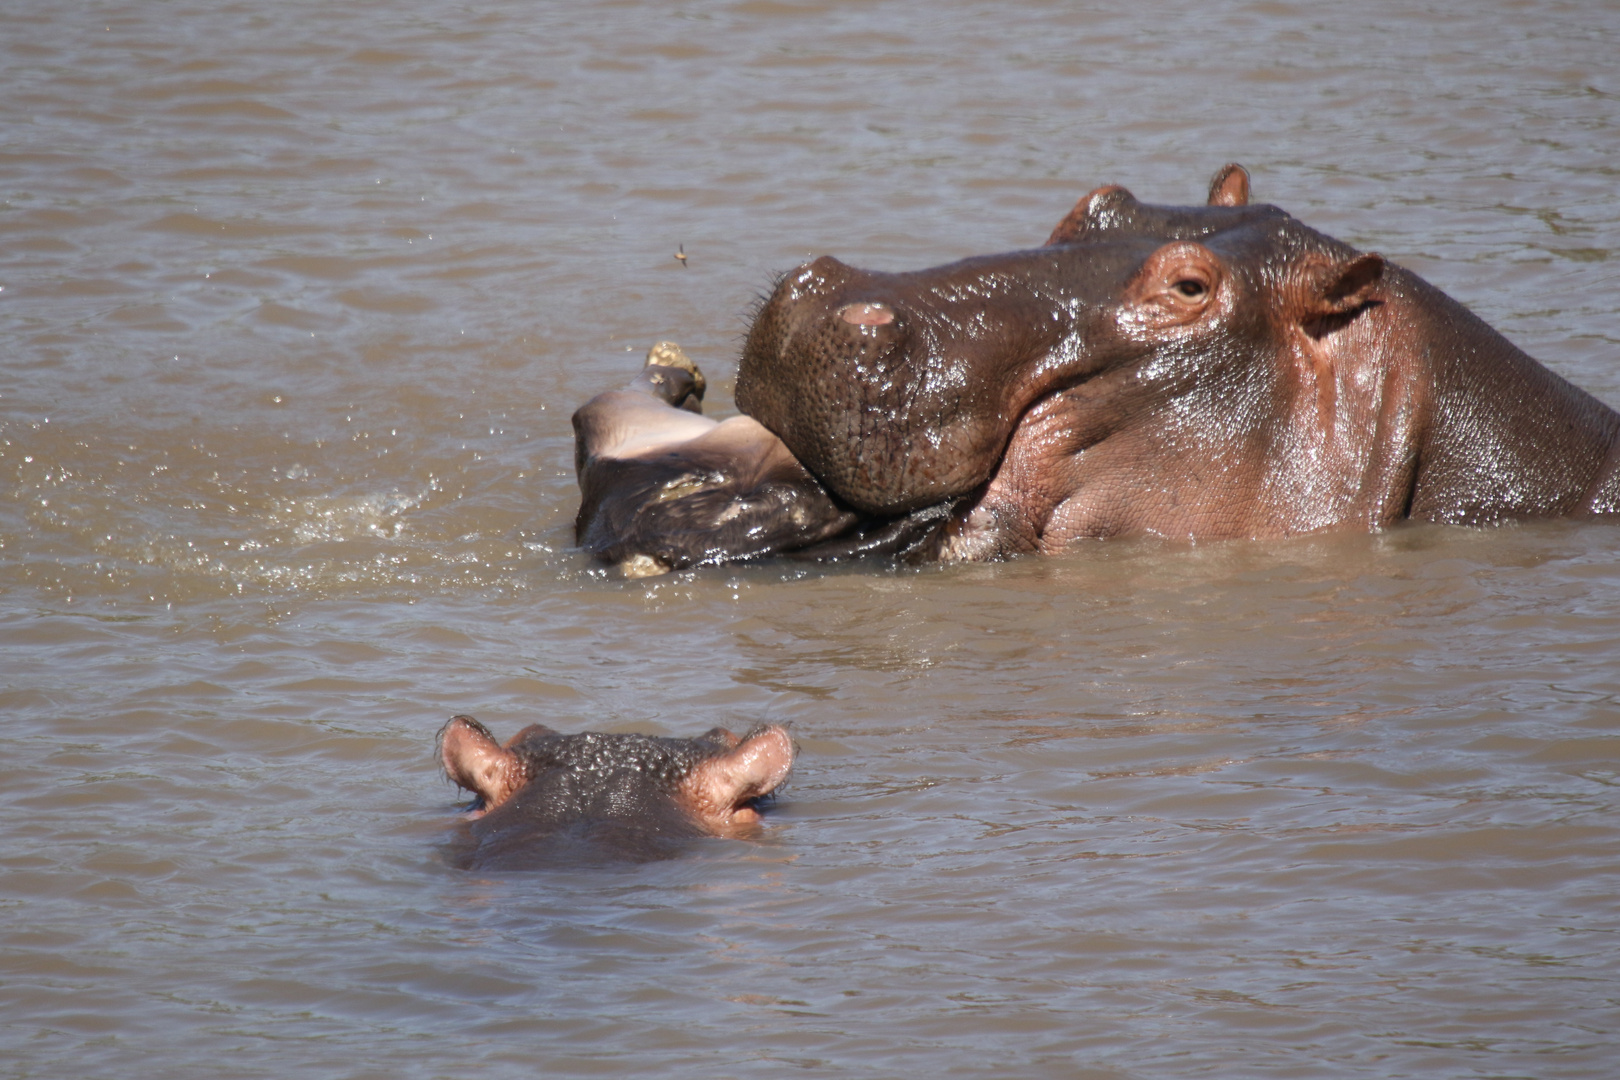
{"x": 545, "y": 797}
{"x": 1196, "y": 372}
{"x": 902, "y": 390}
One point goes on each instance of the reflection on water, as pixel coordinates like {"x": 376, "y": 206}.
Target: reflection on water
{"x": 296, "y": 305}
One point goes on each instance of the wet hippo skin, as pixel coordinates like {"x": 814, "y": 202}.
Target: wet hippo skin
{"x": 663, "y": 487}
{"x": 546, "y": 799}
{"x": 1214, "y": 371}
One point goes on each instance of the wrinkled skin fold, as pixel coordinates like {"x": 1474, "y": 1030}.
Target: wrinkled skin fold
{"x": 548, "y": 799}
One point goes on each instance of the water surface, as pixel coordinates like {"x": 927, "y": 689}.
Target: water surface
{"x": 295, "y": 303}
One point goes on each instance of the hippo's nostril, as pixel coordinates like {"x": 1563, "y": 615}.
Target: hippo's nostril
{"x": 864, "y": 314}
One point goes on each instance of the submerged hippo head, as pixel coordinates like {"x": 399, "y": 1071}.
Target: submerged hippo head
{"x": 544, "y": 797}
{"x": 665, "y": 488}
{"x": 1208, "y": 371}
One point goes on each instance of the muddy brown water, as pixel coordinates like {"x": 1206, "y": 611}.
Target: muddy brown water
{"x": 295, "y": 303}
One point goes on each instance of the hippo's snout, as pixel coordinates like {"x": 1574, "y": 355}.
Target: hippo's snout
{"x": 839, "y": 365}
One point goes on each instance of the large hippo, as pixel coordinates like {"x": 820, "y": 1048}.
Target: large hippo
{"x": 546, "y": 799}
{"x": 1199, "y": 372}
{"x": 1190, "y": 372}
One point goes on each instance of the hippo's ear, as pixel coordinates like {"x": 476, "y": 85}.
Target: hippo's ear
{"x": 665, "y": 361}
{"x": 1100, "y": 209}
{"x": 534, "y": 733}
{"x": 1336, "y": 290}
{"x": 475, "y": 761}
{"x": 719, "y": 789}
{"x": 1352, "y": 284}
{"x": 1230, "y": 186}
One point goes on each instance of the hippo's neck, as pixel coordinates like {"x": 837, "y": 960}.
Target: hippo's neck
{"x": 1501, "y": 436}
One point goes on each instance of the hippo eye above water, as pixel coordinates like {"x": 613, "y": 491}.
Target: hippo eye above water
{"x": 1191, "y": 288}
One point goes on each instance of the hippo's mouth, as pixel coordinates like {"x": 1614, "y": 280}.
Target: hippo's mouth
{"x": 663, "y": 488}
{"x": 913, "y": 536}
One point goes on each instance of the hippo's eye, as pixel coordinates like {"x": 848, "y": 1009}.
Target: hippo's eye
{"x": 1191, "y": 288}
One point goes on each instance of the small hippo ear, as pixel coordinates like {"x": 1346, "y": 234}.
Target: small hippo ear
{"x": 1341, "y": 287}
{"x": 1355, "y": 282}
{"x": 1230, "y": 186}
{"x": 667, "y": 354}
{"x": 1335, "y": 291}
{"x": 721, "y": 735}
{"x": 1100, "y": 209}
{"x": 535, "y": 732}
{"x": 719, "y": 789}
{"x": 474, "y": 760}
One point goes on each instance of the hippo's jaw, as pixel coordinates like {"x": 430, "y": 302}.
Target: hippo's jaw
{"x": 896, "y": 394}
